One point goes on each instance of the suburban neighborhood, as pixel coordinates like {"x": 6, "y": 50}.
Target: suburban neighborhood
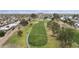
{"x": 39, "y": 30}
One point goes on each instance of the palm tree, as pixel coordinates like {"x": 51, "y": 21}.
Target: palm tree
{"x": 20, "y": 32}
{"x": 2, "y": 33}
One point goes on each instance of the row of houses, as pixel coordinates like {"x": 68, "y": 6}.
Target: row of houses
{"x": 71, "y": 18}
{"x": 9, "y": 22}
{"x": 9, "y": 26}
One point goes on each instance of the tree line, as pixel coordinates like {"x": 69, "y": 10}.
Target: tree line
{"x": 66, "y": 35}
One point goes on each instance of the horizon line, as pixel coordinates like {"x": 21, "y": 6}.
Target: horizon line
{"x": 38, "y": 11}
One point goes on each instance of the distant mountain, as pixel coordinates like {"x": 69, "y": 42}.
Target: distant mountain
{"x": 38, "y": 11}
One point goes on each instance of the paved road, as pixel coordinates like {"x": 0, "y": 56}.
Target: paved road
{"x": 27, "y": 36}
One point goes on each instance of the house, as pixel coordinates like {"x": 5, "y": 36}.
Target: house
{"x": 65, "y": 17}
{"x": 70, "y": 17}
{"x": 76, "y": 25}
{"x": 62, "y": 18}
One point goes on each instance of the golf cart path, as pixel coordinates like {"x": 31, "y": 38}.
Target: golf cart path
{"x": 27, "y": 36}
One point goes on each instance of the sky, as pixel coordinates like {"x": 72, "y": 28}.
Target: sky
{"x": 37, "y": 11}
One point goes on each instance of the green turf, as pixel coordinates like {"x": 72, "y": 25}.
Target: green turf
{"x": 14, "y": 39}
{"x": 38, "y": 36}
{"x": 76, "y": 37}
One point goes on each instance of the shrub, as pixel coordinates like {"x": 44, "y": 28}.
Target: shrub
{"x": 2, "y": 33}
{"x": 20, "y": 33}
{"x": 55, "y": 27}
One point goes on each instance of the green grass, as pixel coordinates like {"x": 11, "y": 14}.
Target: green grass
{"x": 14, "y": 39}
{"x": 17, "y": 40}
{"x": 76, "y": 37}
{"x": 38, "y": 36}
{"x": 52, "y": 41}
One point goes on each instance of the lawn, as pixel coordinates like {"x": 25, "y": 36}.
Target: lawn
{"x": 38, "y": 36}
{"x": 76, "y": 38}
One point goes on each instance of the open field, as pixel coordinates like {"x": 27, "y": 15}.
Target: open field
{"x": 77, "y": 36}
{"x": 38, "y": 36}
